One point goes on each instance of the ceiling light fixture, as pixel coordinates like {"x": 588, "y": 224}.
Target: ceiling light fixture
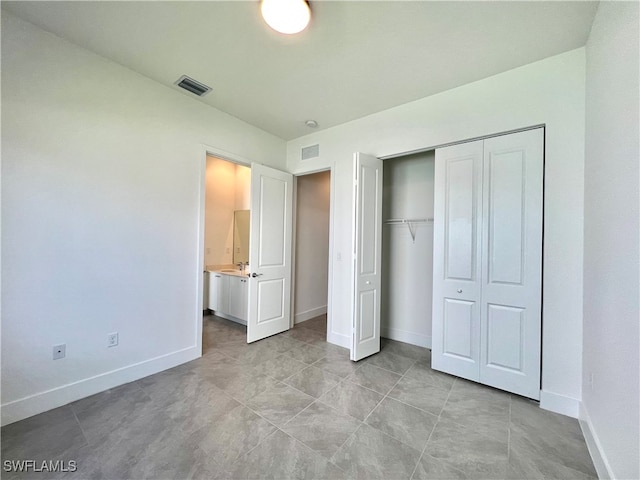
{"x": 311, "y": 123}
{"x": 286, "y": 16}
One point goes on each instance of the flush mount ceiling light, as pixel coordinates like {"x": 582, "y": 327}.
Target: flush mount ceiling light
{"x": 286, "y": 16}
{"x": 311, "y": 123}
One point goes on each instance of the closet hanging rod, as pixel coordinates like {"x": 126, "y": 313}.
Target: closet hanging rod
{"x": 409, "y": 222}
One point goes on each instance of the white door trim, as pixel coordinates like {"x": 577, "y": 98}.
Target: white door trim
{"x": 332, "y": 191}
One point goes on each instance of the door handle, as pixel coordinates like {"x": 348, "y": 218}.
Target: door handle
{"x": 459, "y": 290}
{"x": 254, "y": 274}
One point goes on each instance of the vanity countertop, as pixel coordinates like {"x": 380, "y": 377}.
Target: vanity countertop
{"x": 224, "y": 270}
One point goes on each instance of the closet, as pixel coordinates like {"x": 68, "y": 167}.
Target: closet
{"x": 487, "y": 270}
{"x": 407, "y": 248}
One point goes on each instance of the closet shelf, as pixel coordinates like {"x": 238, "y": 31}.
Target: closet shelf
{"x": 392, "y": 221}
{"x": 410, "y": 222}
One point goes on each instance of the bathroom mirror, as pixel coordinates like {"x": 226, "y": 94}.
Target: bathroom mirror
{"x": 241, "y": 236}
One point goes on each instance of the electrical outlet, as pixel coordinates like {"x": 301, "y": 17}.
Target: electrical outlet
{"x": 59, "y": 351}
{"x": 112, "y": 339}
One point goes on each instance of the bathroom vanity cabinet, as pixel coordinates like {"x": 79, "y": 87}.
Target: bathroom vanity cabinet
{"x": 238, "y": 297}
{"x": 228, "y": 296}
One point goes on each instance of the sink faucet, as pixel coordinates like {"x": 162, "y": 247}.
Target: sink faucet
{"x": 241, "y": 266}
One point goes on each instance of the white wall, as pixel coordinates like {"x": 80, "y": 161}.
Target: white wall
{"x": 407, "y": 264}
{"x": 611, "y": 405}
{"x": 243, "y": 188}
{"x": 101, "y": 206}
{"x": 548, "y": 92}
{"x": 220, "y": 203}
{"x": 312, "y": 245}
{"x": 227, "y": 190}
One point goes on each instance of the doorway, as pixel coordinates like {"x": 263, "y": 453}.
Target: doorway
{"x": 257, "y": 292}
{"x": 227, "y": 192}
{"x": 312, "y": 220}
{"x": 407, "y": 248}
{"x": 227, "y": 203}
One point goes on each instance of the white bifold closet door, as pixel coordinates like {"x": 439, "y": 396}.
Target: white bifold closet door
{"x": 367, "y": 256}
{"x": 488, "y": 261}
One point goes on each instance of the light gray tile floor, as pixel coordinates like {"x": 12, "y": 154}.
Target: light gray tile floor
{"x": 294, "y": 406}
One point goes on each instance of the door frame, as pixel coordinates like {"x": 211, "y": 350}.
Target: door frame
{"x": 294, "y": 245}
{"x": 206, "y": 151}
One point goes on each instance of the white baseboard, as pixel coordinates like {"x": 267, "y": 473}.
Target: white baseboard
{"x": 339, "y": 339}
{"x": 309, "y": 314}
{"x": 59, "y": 396}
{"x": 600, "y": 462}
{"x": 230, "y": 318}
{"x": 557, "y": 403}
{"x": 406, "y": 337}
{"x": 393, "y": 334}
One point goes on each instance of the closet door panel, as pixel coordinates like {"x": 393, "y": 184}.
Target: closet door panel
{"x": 505, "y": 192}
{"x": 367, "y": 248}
{"x": 459, "y": 232}
{"x": 456, "y": 260}
{"x": 511, "y": 262}
{"x": 458, "y": 329}
{"x": 505, "y": 337}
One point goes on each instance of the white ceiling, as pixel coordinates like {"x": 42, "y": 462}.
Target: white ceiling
{"x": 355, "y": 58}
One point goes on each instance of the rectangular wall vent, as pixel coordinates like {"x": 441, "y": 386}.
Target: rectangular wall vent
{"x": 193, "y": 86}
{"x": 312, "y": 151}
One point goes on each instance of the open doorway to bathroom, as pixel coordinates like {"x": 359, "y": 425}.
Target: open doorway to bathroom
{"x": 311, "y": 285}
{"x": 226, "y": 248}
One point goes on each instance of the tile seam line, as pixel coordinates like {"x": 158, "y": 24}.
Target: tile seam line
{"x": 424, "y": 449}
{"x": 385, "y": 433}
{"x": 314, "y": 452}
{"x": 388, "y": 394}
{"x": 84, "y": 435}
{"x": 242, "y": 454}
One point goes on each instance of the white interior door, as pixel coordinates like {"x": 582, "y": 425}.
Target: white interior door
{"x": 457, "y": 230}
{"x": 367, "y": 249}
{"x": 269, "y": 295}
{"x": 512, "y": 262}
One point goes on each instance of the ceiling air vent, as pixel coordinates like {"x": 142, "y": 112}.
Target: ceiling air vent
{"x": 311, "y": 151}
{"x": 193, "y": 86}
